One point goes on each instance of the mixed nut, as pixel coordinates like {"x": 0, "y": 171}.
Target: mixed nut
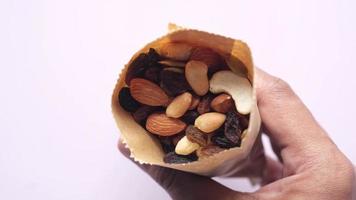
{"x": 188, "y": 99}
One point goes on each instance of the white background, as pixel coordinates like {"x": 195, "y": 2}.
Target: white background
{"x": 59, "y": 62}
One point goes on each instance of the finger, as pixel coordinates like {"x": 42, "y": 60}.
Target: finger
{"x": 289, "y": 123}
{"x": 273, "y": 171}
{"x": 182, "y": 185}
{"x": 276, "y": 149}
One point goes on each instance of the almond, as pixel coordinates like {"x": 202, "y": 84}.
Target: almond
{"x": 209, "y": 122}
{"x": 147, "y": 92}
{"x": 176, "y": 51}
{"x": 179, "y": 105}
{"x": 208, "y": 56}
{"x": 172, "y": 63}
{"x": 161, "y": 124}
{"x": 196, "y": 73}
{"x": 222, "y": 103}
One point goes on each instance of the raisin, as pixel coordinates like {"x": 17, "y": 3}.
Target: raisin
{"x": 172, "y": 157}
{"x": 195, "y": 135}
{"x": 141, "y": 114}
{"x": 232, "y": 129}
{"x": 141, "y": 63}
{"x": 244, "y": 119}
{"x": 153, "y": 74}
{"x": 173, "y": 83}
{"x": 190, "y": 116}
{"x": 126, "y": 101}
{"x": 208, "y": 151}
{"x": 166, "y": 143}
{"x": 220, "y": 140}
{"x": 177, "y": 137}
{"x": 204, "y": 104}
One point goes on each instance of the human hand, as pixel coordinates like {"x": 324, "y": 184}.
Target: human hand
{"x": 310, "y": 165}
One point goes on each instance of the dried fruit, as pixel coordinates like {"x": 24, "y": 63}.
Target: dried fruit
{"x": 196, "y": 73}
{"x": 209, "y": 122}
{"x": 174, "y": 69}
{"x": 141, "y": 114}
{"x": 222, "y": 103}
{"x": 244, "y": 121}
{"x": 160, "y": 124}
{"x": 173, "y": 83}
{"x": 197, "y": 136}
{"x": 195, "y": 102}
{"x": 179, "y": 105}
{"x": 185, "y": 146}
{"x": 166, "y": 143}
{"x": 237, "y": 86}
{"x": 232, "y": 129}
{"x": 153, "y": 74}
{"x": 204, "y": 104}
{"x": 177, "y": 137}
{"x": 148, "y": 93}
{"x": 174, "y": 158}
{"x": 220, "y": 140}
{"x": 172, "y": 63}
{"x": 141, "y": 63}
{"x": 126, "y": 101}
{"x": 190, "y": 116}
{"x": 213, "y": 60}
{"x": 208, "y": 151}
{"x": 176, "y": 51}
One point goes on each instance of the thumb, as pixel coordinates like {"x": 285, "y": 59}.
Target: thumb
{"x": 290, "y": 125}
{"x": 183, "y": 185}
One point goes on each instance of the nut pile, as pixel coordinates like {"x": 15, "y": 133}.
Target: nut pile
{"x": 186, "y": 96}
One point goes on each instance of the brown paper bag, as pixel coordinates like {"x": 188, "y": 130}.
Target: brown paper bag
{"x": 146, "y": 149}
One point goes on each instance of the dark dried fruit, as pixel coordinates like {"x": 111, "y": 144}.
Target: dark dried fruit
{"x": 166, "y": 143}
{"x": 220, "y": 140}
{"x": 244, "y": 119}
{"x": 197, "y": 136}
{"x": 174, "y": 158}
{"x": 173, "y": 83}
{"x": 153, "y": 74}
{"x": 208, "y": 151}
{"x": 204, "y": 104}
{"x": 126, "y": 101}
{"x": 177, "y": 137}
{"x": 141, "y": 114}
{"x": 190, "y": 116}
{"x": 141, "y": 63}
{"x": 232, "y": 129}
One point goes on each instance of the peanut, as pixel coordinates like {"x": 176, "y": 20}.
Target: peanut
{"x": 179, "y": 105}
{"x": 209, "y": 122}
{"x": 185, "y": 146}
{"x": 196, "y": 73}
